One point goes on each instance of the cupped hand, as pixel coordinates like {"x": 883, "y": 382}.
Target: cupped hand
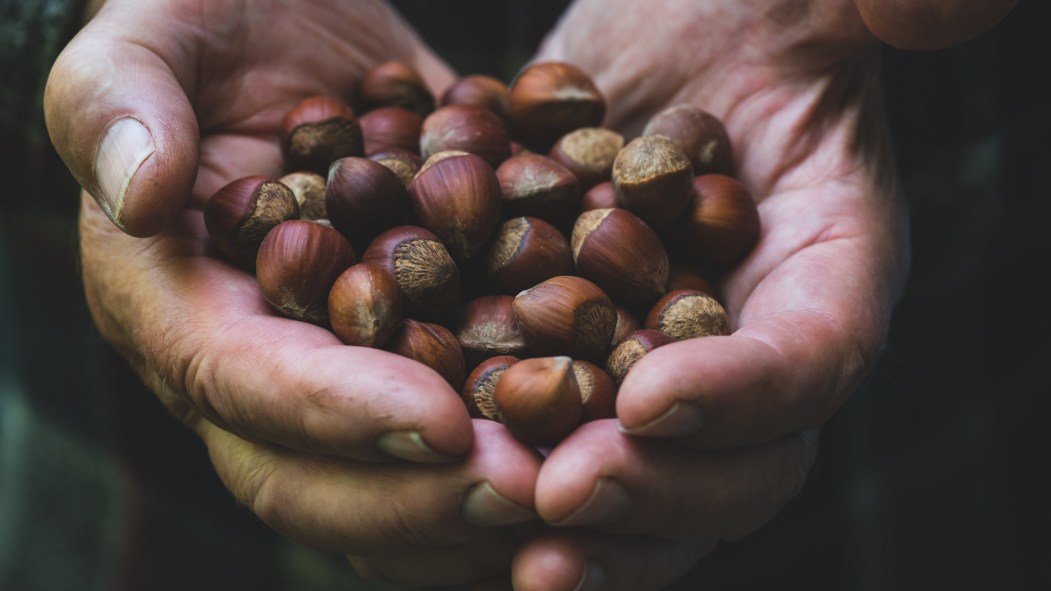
{"x": 715, "y": 435}
{"x": 155, "y": 105}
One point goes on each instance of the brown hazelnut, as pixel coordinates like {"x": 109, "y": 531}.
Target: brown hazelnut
{"x": 365, "y": 306}
{"x": 468, "y": 128}
{"x": 537, "y": 186}
{"x": 478, "y": 389}
{"x": 621, "y": 254}
{"x": 403, "y": 163}
{"x": 632, "y": 348}
{"x": 551, "y": 99}
{"x": 309, "y": 189}
{"x": 538, "y": 399}
{"x": 434, "y": 346}
{"x": 588, "y": 153}
{"x": 524, "y": 252}
{"x": 297, "y": 264}
{"x": 566, "y": 315}
{"x": 597, "y": 391}
{"x": 686, "y": 314}
{"x": 458, "y": 198}
{"x": 682, "y": 275}
{"x": 488, "y": 329}
{"x": 721, "y": 223}
{"x": 390, "y": 127}
{"x": 601, "y": 196}
{"x": 240, "y": 214}
{"x": 423, "y": 268}
{"x": 627, "y": 323}
{"x": 653, "y": 179}
{"x": 480, "y": 91}
{"x": 395, "y": 84}
{"x": 700, "y": 134}
{"x": 319, "y": 130}
{"x": 364, "y": 198}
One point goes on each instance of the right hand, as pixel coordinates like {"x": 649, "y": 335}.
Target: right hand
{"x": 154, "y": 106}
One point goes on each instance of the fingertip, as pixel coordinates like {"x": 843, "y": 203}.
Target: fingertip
{"x": 549, "y": 563}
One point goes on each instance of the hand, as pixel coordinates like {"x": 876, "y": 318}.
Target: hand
{"x": 156, "y": 104}
{"x": 715, "y": 435}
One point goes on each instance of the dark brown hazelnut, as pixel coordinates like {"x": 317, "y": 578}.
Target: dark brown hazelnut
{"x": 621, "y": 254}
{"x": 700, "y": 134}
{"x": 403, "y": 163}
{"x": 632, "y": 348}
{"x": 525, "y": 252}
{"x": 296, "y": 266}
{"x": 364, "y": 198}
{"x": 309, "y": 189}
{"x": 653, "y": 179}
{"x": 566, "y": 315}
{"x": 365, "y": 306}
{"x": 434, "y": 346}
{"x": 458, "y": 198}
{"x": 319, "y": 130}
{"x": 686, "y": 314}
{"x": 537, "y": 186}
{"x": 390, "y": 127}
{"x": 597, "y": 391}
{"x": 551, "y": 99}
{"x": 588, "y": 153}
{"x": 627, "y": 323}
{"x": 478, "y": 389}
{"x": 489, "y": 329}
{"x": 682, "y": 275}
{"x": 240, "y": 214}
{"x": 421, "y": 265}
{"x": 480, "y": 91}
{"x": 538, "y": 399}
{"x": 601, "y": 196}
{"x": 721, "y": 223}
{"x": 395, "y": 84}
{"x": 468, "y": 128}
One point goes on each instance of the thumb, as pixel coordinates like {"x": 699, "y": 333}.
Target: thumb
{"x": 123, "y": 124}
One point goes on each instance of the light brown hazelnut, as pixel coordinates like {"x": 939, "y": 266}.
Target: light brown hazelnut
{"x": 404, "y": 163}
{"x": 421, "y": 265}
{"x": 551, "y": 99}
{"x": 309, "y": 189}
{"x": 489, "y": 329}
{"x": 481, "y": 91}
{"x": 478, "y": 389}
{"x": 458, "y": 198}
{"x": 588, "y": 153}
{"x": 538, "y": 399}
{"x": 686, "y": 314}
{"x": 621, "y": 254}
{"x": 700, "y": 134}
{"x": 597, "y": 391}
{"x": 653, "y": 179}
{"x": 525, "y": 252}
{"x": 537, "y": 186}
{"x": 365, "y": 306}
{"x": 566, "y": 315}
{"x": 721, "y": 223}
{"x": 632, "y": 348}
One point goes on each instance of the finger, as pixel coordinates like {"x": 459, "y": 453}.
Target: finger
{"x": 581, "y": 560}
{"x": 120, "y": 119}
{"x": 203, "y": 329}
{"x": 930, "y": 24}
{"x": 627, "y": 485}
{"x": 368, "y": 509}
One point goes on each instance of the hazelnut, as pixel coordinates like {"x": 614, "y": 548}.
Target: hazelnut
{"x": 404, "y": 163}
{"x": 365, "y": 306}
{"x": 488, "y": 329}
{"x": 309, "y": 190}
{"x": 432, "y": 345}
{"x": 239, "y": 215}
{"x": 390, "y": 127}
{"x": 686, "y": 314}
{"x": 297, "y": 264}
{"x": 566, "y": 315}
{"x": 395, "y": 84}
{"x": 653, "y": 179}
{"x": 597, "y": 391}
{"x": 538, "y": 399}
{"x": 458, "y": 198}
{"x": 721, "y": 224}
{"x": 601, "y": 196}
{"x": 700, "y": 134}
{"x": 478, "y": 389}
{"x": 525, "y": 252}
{"x": 588, "y": 153}
{"x": 550, "y": 99}
{"x": 468, "y": 128}
{"x": 627, "y": 323}
{"x": 534, "y": 185}
{"x": 364, "y": 198}
{"x": 621, "y": 254}
{"x": 423, "y": 268}
{"x": 480, "y": 91}
{"x": 632, "y": 348}
{"x": 682, "y": 275}
{"x": 319, "y": 130}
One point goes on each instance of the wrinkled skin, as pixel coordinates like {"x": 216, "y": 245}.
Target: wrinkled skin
{"x": 713, "y": 435}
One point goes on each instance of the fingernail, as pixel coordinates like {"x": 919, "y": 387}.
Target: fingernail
{"x": 593, "y": 578}
{"x": 483, "y": 506}
{"x": 683, "y": 418}
{"x": 409, "y": 445}
{"x": 607, "y": 503}
{"x": 123, "y": 149}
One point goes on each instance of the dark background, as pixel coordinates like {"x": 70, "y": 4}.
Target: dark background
{"x": 931, "y": 476}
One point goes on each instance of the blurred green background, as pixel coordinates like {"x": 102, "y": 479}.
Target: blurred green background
{"x": 931, "y": 476}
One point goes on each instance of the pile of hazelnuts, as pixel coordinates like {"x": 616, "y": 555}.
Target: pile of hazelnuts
{"x": 502, "y": 230}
